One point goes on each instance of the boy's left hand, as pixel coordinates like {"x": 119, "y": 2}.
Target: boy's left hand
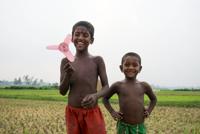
{"x": 117, "y": 115}
{"x": 89, "y": 101}
{"x": 146, "y": 113}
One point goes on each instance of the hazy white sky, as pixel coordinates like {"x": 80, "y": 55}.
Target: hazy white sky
{"x": 165, "y": 33}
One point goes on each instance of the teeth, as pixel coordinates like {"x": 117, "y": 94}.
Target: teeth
{"x": 80, "y": 43}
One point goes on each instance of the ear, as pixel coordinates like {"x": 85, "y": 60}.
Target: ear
{"x": 91, "y": 40}
{"x": 140, "y": 68}
{"x": 72, "y": 39}
{"x": 121, "y": 68}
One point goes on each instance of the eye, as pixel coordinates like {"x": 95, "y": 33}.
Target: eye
{"x": 135, "y": 64}
{"x": 76, "y": 34}
{"x": 127, "y": 64}
{"x": 85, "y": 34}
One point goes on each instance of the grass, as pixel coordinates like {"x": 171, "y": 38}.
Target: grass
{"x": 165, "y": 98}
{"x": 173, "y": 98}
{"x": 20, "y": 116}
{"x": 25, "y": 112}
{"x": 32, "y": 94}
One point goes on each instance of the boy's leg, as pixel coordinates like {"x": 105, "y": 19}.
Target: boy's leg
{"x": 72, "y": 125}
{"x": 142, "y": 129}
{"x": 124, "y": 128}
{"x": 94, "y": 122}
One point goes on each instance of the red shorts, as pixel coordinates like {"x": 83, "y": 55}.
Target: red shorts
{"x": 84, "y": 121}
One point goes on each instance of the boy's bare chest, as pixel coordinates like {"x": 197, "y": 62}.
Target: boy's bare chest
{"x": 84, "y": 69}
{"x": 131, "y": 90}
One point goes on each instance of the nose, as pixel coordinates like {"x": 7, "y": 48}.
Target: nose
{"x": 131, "y": 67}
{"x": 80, "y": 37}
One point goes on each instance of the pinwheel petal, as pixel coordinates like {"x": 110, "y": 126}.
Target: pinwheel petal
{"x": 68, "y": 39}
{"x": 69, "y": 55}
{"x": 52, "y": 47}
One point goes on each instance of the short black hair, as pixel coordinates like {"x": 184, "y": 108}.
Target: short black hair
{"x": 86, "y": 24}
{"x": 131, "y": 54}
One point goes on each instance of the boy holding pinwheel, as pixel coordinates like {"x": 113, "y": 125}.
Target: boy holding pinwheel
{"x": 80, "y": 77}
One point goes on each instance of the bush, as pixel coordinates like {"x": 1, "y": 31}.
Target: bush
{"x": 31, "y": 87}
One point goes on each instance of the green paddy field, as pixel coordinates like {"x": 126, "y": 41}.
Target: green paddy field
{"x": 42, "y": 112}
{"x": 165, "y": 97}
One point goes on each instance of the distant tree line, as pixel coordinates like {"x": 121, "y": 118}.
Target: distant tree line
{"x": 188, "y": 89}
{"x": 27, "y": 82}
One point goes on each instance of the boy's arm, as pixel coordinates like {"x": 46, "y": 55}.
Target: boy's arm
{"x": 91, "y": 99}
{"x": 103, "y": 77}
{"x": 151, "y": 95}
{"x": 65, "y": 73}
{"x": 112, "y": 90}
{"x": 106, "y": 98}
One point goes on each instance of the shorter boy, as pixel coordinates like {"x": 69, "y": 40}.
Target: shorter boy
{"x": 130, "y": 92}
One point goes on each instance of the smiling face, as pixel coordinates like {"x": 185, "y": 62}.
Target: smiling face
{"x": 81, "y": 38}
{"x": 131, "y": 66}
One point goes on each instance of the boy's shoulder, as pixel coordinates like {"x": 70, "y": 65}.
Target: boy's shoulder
{"x": 97, "y": 59}
{"x": 146, "y": 85}
{"x": 117, "y": 83}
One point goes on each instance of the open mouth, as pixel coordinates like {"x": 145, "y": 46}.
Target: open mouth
{"x": 80, "y": 44}
{"x": 130, "y": 72}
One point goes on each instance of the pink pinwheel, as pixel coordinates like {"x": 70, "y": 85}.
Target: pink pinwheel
{"x": 64, "y": 48}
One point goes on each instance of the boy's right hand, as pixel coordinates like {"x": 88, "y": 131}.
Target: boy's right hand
{"x": 89, "y": 101}
{"x": 117, "y": 115}
{"x": 68, "y": 69}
